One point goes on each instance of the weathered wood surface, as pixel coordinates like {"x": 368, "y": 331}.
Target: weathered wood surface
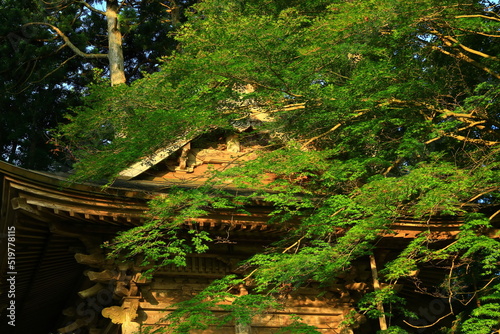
{"x": 151, "y": 160}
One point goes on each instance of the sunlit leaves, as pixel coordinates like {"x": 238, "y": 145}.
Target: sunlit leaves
{"x": 377, "y": 119}
{"x": 222, "y": 297}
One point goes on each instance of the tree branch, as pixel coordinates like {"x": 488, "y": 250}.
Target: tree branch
{"x": 464, "y": 139}
{"x": 478, "y": 33}
{"x": 472, "y": 140}
{"x": 66, "y": 40}
{"x": 466, "y": 58}
{"x": 473, "y": 124}
{"x": 361, "y": 112}
{"x": 394, "y": 164}
{"x": 297, "y": 243}
{"x": 479, "y": 195}
{"x": 95, "y": 10}
{"x": 48, "y": 74}
{"x": 494, "y": 215}
{"x": 478, "y": 15}
{"x": 466, "y": 48}
{"x": 452, "y": 43}
{"x": 449, "y": 113}
{"x": 427, "y": 326}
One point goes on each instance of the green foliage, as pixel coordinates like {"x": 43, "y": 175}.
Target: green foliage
{"x": 297, "y": 327}
{"x": 408, "y": 260}
{"x": 33, "y": 68}
{"x": 44, "y": 79}
{"x": 163, "y": 239}
{"x": 485, "y": 318}
{"x": 379, "y": 112}
{"x": 369, "y": 303}
{"x": 200, "y": 312}
{"x": 394, "y": 330}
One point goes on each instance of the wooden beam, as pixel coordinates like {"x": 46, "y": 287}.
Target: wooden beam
{"x": 150, "y": 161}
{"x": 103, "y": 276}
{"x": 92, "y": 291}
{"x": 95, "y": 260}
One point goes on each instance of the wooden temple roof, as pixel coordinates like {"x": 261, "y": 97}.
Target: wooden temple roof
{"x": 53, "y": 220}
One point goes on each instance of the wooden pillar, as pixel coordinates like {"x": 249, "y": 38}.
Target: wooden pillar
{"x": 130, "y": 327}
{"x": 376, "y": 286}
{"x": 183, "y": 160}
{"x": 233, "y": 143}
{"x": 240, "y": 328}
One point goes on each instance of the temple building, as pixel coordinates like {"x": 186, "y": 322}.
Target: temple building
{"x": 56, "y": 277}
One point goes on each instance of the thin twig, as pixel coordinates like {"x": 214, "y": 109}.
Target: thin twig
{"x": 86, "y": 4}
{"x": 361, "y": 112}
{"x": 294, "y": 244}
{"x": 67, "y": 41}
{"x": 479, "y": 195}
{"x": 427, "y": 326}
{"x": 449, "y": 284}
{"x": 250, "y": 275}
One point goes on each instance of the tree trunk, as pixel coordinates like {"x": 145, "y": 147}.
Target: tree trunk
{"x": 115, "y": 52}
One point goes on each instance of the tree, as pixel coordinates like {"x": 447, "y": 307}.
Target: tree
{"x": 50, "y": 52}
{"x": 33, "y": 94}
{"x": 380, "y": 110}
{"x": 116, "y": 13}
